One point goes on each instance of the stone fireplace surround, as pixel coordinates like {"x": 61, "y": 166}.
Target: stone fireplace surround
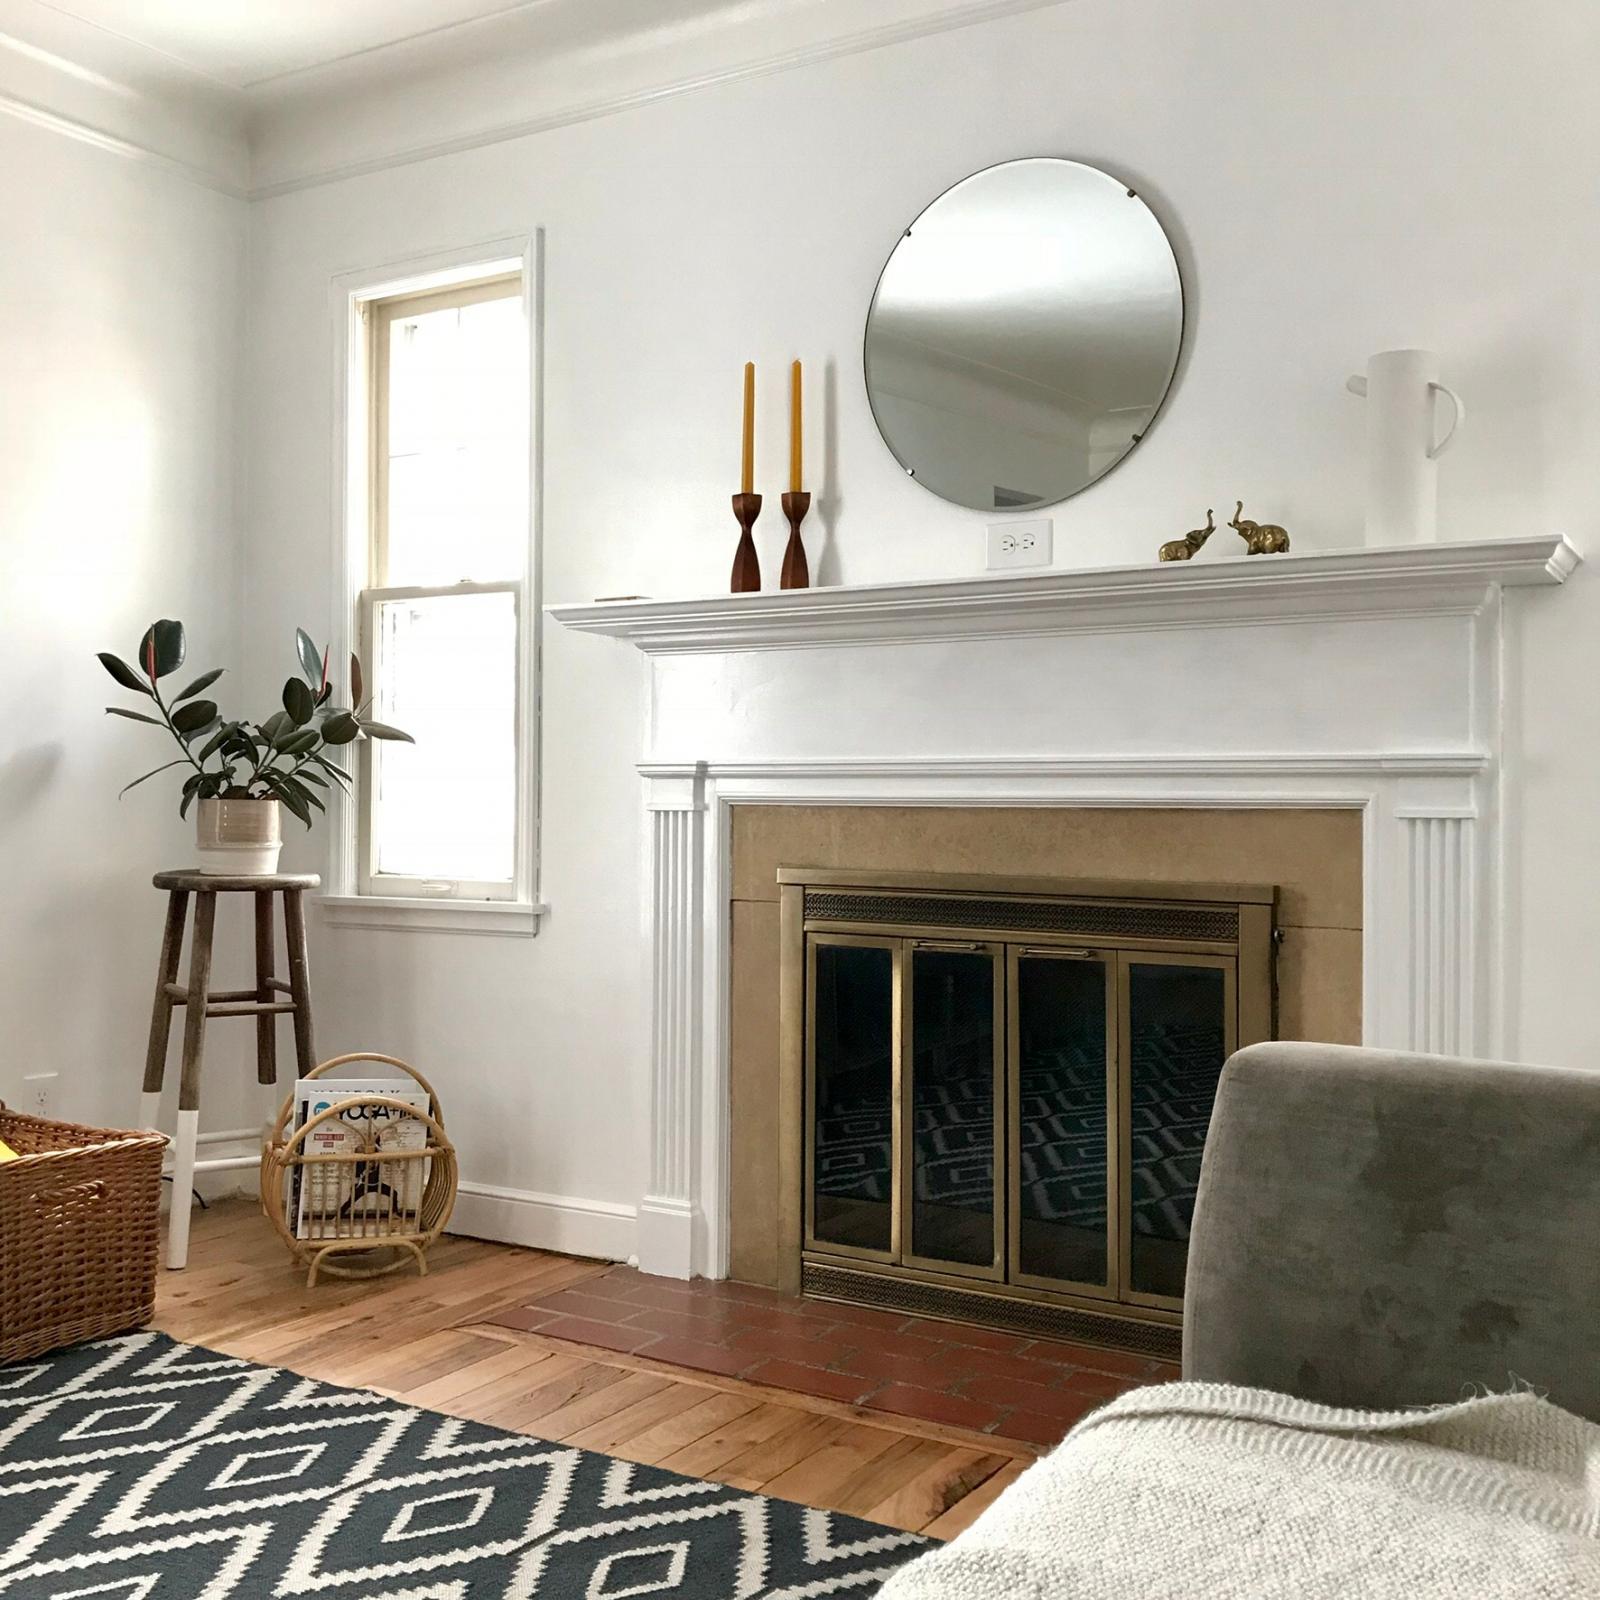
{"x": 1366, "y": 680}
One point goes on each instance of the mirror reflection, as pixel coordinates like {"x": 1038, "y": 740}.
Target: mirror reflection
{"x": 1023, "y": 334}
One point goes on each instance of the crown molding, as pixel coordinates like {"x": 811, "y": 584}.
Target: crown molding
{"x": 394, "y": 107}
{"x": 1239, "y": 591}
{"x": 59, "y": 74}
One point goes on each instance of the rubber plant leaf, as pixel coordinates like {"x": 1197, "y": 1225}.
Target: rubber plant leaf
{"x": 163, "y": 648}
{"x": 310, "y": 658}
{"x": 122, "y": 672}
{"x": 204, "y": 681}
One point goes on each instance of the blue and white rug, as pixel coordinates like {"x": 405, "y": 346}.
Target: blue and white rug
{"x": 138, "y": 1468}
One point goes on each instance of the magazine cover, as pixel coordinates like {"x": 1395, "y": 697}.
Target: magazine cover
{"x": 349, "y": 1199}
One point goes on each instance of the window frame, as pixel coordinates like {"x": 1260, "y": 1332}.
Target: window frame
{"x": 361, "y": 300}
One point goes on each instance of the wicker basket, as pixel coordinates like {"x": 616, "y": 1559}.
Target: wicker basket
{"x": 79, "y": 1233}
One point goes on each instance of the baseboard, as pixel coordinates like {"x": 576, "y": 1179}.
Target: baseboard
{"x": 577, "y": 1227}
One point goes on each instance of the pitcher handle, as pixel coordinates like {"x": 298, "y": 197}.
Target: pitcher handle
{"x": 1459, "y": 416}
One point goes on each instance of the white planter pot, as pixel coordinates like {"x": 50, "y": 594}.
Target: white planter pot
{"x": 238, "y": 838}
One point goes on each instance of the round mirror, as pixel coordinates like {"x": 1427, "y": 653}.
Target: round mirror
{"x": 1023, "y": 334}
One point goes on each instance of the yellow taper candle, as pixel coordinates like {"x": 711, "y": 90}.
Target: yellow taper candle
{"x": 795, "y": 431}
{"x": 747, "y": 474}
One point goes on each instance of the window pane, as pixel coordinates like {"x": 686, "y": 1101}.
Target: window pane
{"x": 446, "y": 672}
{"x": 458, "y": 445}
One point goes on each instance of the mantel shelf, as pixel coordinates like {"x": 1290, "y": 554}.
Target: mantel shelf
{"x": 1402, "y": 580}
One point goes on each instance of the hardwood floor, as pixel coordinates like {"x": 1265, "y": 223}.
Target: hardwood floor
{"x": 425, "y": 1341}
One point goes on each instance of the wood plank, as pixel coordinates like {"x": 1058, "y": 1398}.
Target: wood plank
{"x": 425, "y": 1341}
{"x": 926, "y": 1495}
{"x": 967, "y": 1510}
{"x": 688, "y": 1425}
{"x": 816, "y": 1479}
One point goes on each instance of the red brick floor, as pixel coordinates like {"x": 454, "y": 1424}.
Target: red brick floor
{"x": 944, "y": 1372}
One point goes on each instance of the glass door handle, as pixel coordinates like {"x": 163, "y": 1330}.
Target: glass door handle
{"x": 945, "y": 944}
{"x": 1055, "y": 952}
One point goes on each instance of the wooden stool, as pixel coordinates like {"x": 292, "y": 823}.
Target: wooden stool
{"x": 203, "y": 1002}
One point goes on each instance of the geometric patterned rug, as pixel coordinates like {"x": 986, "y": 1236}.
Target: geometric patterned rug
{"x": 138, "y": 1468}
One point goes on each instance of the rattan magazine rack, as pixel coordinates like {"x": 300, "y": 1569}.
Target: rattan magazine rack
{"x": 370, "y": 1174}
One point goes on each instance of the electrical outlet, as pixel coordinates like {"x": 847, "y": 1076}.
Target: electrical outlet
{"x": 1019, "y": 544}
{"x": 40, "y": 1089}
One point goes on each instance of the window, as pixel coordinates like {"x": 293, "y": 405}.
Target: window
{"x": 445, "y": 623}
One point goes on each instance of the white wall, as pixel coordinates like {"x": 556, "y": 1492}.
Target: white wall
{"x": 120, "y": 287}
{"x": 1337, "y": 179}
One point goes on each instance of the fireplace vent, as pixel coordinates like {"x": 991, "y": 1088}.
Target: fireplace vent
{"x": 1085, "y": 918}
{"x": 1159, "y": 1340}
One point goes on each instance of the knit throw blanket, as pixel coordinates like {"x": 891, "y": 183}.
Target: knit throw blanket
{"x": 1199, "y": 1489}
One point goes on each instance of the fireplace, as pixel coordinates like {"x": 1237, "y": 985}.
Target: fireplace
{"x": 1005, "y": 1087}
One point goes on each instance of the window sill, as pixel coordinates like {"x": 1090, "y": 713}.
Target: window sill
{"x": 515, "y": 919}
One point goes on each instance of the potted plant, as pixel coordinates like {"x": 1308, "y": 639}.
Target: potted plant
{"x": 243, "y": 773}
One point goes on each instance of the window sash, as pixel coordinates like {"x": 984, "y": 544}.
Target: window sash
{"x": 382, "y": 315}
{"x": 389, "y": 885}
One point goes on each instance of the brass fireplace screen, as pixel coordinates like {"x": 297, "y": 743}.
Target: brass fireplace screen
{"x": 997, "y": 1090}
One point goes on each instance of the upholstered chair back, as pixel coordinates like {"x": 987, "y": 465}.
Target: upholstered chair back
{"x": 1384, "y": 1230}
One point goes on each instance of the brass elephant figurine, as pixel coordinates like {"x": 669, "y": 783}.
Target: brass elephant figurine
{"x": 1183, "y": 549}
{"x": 1260, "y": 538}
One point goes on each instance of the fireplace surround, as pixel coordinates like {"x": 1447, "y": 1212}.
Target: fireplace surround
{"x": 996, "y": 1089}
{"x": 1366, "y": 680}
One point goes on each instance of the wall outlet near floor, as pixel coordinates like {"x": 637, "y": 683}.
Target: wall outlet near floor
{"x": 39, "y": 1093}
{"x": 1019, "y": 544}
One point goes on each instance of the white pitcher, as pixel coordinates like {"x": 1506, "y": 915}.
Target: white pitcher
{"x": 1402, "y": 454}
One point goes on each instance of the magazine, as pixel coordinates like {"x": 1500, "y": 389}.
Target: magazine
{"x": 349, "y": 1199}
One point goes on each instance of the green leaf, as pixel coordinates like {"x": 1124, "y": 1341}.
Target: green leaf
{"x": 186, "y": 802}
{"x": 289, "y": 797}
{"x": 334, "y": 771}
{"x": 204, "y": 681}
{"x": 382, "y": 730}
{"x": 123, "y": 673}
{"x": 298, "y": 743}
{"x": 134, "y": 716}
{"x": 306, "y": 776}
{"x": 356, "y": 685}
{"x": 310, "y": 658}
{"x": 163, "y": 648}
{"x": 217, "y": 740}
{"x": 298, "y": 701}
{"x": 276, "y": 725}
{"x": 196, "y": 715}
{"x": 182, "y": 761}
{"x": 304, "y": 793}
{"x": 340, "y": 728}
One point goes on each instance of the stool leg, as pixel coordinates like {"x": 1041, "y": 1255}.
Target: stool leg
{"x": 294, "y": 929}
{"x": 194, "y": 1038}
{"x": 266, "y": 1026}
{"x": 155, "y": 1058}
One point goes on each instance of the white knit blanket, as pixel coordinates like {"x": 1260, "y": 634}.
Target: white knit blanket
{"x": 1203, "y": 1491}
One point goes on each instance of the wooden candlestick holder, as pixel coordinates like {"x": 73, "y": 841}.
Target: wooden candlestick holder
{"x": 746, "y": 564}
{"x": 796, "y": 570}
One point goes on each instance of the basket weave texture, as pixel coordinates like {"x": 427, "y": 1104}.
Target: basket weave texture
{"x": 79, "y": 1233}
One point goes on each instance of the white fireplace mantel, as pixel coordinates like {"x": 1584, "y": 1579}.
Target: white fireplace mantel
{"x": 1365, "y": 679}
{"x": 1329, "y": 583}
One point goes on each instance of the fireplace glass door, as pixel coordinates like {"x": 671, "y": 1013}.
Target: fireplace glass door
{"x": 1062, "y": 1156}
{"x": 852, "y": 1138}
{"x": 954, "y": 1052}
{"x": 1031, "y": 1115}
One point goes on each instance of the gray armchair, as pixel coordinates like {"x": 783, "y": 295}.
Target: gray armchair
{"x": 1383, "y": 1230}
